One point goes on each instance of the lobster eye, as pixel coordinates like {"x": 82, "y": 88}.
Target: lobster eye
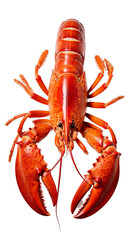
{"x": 72, "y": 125}
{"x": 60, "y": 125}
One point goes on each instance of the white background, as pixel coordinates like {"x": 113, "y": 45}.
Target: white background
{"x": 27, "y": 28}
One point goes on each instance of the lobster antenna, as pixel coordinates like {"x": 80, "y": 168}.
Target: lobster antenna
{"x": 76, "y": 166}
{"x": 62, "y": 154}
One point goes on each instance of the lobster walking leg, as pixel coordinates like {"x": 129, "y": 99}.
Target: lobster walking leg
{"x": 102, "y": 66}
{"x": 37, "y": 76}
{"x": 102, "y": 179}
{"x": 24, "y": 84}
{"x": 103, "y": 124}
{"x": 30, "y": 114}
{"x": 103, "y": 105}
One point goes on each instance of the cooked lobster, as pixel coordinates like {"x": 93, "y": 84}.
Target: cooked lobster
{"x": 68, "y": 101}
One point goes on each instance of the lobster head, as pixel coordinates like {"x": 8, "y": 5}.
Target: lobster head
{"x": 67, "y": 105}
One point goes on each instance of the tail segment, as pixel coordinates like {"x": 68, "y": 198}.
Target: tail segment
{"x": 70, "y": 48}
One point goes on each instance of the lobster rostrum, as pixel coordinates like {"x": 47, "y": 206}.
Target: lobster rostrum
{"x": 68, "y": 100}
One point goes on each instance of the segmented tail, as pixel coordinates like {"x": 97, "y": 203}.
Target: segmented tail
{"x": 70, "y": 48}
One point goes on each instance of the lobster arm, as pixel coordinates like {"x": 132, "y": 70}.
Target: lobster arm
{"x": 102, "y": 179}
{"x": 30, "y": 166}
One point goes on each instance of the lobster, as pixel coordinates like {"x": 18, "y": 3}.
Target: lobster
{"x": 68, "y": 100}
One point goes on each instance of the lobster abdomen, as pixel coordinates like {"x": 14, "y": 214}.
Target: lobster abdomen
{"x": 70, "y": 48}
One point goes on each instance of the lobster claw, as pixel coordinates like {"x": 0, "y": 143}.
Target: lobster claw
{"x": 101, "y": 181}
{"x": 30, "y": 166}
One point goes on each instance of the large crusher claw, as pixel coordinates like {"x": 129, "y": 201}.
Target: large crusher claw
{"x": 101, "y": 182}
{"x": 30, "y": 166}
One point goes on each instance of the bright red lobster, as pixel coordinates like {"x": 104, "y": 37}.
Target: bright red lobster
{"x": 68, "y": 100}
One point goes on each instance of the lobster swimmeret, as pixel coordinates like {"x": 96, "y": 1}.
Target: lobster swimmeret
{"x": 68, "y": 102}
